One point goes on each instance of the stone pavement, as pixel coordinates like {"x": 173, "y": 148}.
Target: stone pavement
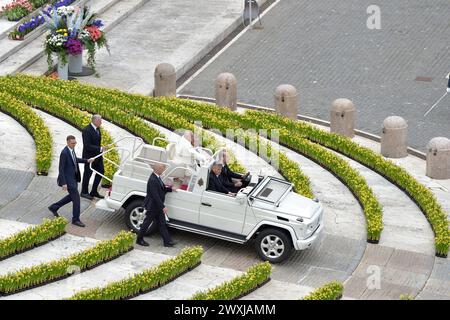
{"x": 23, "y": 155}
{"x": 326, "y": 51}
{"x": 174, "y": 31}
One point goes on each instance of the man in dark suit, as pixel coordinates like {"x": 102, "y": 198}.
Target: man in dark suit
{"x": 68, "y": 178}
{"x": 215, "y": 183}
{"x": 92, "y": 138}
{"x": 227, "y": 176}
{"x": 155, "y": 208}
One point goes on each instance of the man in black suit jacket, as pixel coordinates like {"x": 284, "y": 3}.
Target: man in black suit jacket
{"x": 68, "y": 178}
{"x": 227, "y": 176}
{"x": 215, "y": 182}
{"x": 155, "y": 207}
{"x": 92, "y": 138}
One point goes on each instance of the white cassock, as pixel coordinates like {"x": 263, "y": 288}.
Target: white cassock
{"x": 187, "y": 153}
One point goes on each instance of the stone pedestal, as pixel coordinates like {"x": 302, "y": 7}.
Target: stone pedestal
{"x": 342, "y": 117}
{"x": 394, "y": 137}
{"x": 438, "y": 158}
{"x": 165, "y": 80}
{"x": 226, "y": 91}
{"x": 286, "y": 101}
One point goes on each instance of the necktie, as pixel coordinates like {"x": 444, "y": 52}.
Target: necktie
{"x": 74, "y": 158}
{"x": 161, "y": 182}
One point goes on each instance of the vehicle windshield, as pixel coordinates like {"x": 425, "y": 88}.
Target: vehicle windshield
{"x": 271, "y": 190}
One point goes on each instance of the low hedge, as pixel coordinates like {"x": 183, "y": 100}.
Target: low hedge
{"x": 35, "y": 125}
{"x": 97, "y": 100}
{"x": 103, "y": 251}
{"x": 59, "y": 108}
{"x": 330, "y": 291}
{"x": 145, "y": 281}
{"x": 164, "y": 112}
{"x": 423, "y": 197}
{"x": 32, "y": 237}
{"x": 254, "y": 277}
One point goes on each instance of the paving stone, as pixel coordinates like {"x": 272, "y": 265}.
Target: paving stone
{"x": 317, "y": 277}
{"x": 202, "y": 278}
{"x": 13, "y": 183}
{"x": 279, "y": 290}
{"x": 340, "y": 57}
{"x": 388, "y": 291}
{"x": 411, "y": 261}
{"x": 32, "y": 205}
{"x": 354, "y": 287}
{"x": 15, "y": 142}
{"x": 8, "y": 228}
{"x": 377, "y": 255}
{"x": 123, "y": 267}
{"x": 55, "y": 250}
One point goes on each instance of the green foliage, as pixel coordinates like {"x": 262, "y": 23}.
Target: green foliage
{"x": 32, "y": 236}
{"x": 330, "y": 291}
{"x": 239, "y": 286}
{"x": 52, "y": 104}
{"x": 396, "y": 174}
{"x": 34, "y": 124}
{"x": 40, "y": 274}
{"x": 147, "y": 280}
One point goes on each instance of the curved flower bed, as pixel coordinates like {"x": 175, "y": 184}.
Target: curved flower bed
{"x": 35, "y": 126}
{"x": 329, "y": 291}
{"x": 32, "y": 237}
{"x": 147, "y": 280}
{"x": 240, "y": 286}
{"x": 61, "y": 109}
{"x": 102, "y": 252}
{"x": 421, "y": 195}
{"x": 168, "y": 115}
{"x": 73, "y": 94}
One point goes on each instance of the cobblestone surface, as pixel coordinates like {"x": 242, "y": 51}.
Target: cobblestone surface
{"x": 325, "y": 49}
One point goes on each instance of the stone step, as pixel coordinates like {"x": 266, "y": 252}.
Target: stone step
{"x": 279, "y": 290}
{"x": 8, "y": 227}
{"x": 54, "y": 250}
{"x": 201, "y": 278}
{"x": 23, "y": 155}
{"x": 111, "y": 11}
{"x": 118, "y": 269}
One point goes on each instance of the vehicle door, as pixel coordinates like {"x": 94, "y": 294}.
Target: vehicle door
{"x": 222, "y": 212}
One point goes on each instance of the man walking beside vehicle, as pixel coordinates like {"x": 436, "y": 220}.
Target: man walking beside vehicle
{"x": 68, "y": 178}
{"x": 92, "y": 138}
{"x": 155, "y": 207}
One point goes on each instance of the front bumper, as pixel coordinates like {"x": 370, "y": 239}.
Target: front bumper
{"x": 108, "y": 204}
{"x": 307, "y": 243}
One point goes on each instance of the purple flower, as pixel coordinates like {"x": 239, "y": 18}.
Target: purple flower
{"x": 98, "y": 23}
{"x": 74, "y": 46}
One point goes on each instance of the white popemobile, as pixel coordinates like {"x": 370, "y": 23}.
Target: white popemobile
{"x": 267, "y": 210}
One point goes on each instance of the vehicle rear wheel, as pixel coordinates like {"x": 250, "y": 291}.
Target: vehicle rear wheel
{"x": 134, "y": 217}
{"x": 273, "y": 245}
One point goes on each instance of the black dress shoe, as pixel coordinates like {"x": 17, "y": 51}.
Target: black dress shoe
{"x": 142, "y": 243}
{"x": 97, "y": 195}
{"x": 86, "y": 196}
{"x": 79, "y": 224}
{"x": 170, "y": 244}
{"x": 55, "y": 213}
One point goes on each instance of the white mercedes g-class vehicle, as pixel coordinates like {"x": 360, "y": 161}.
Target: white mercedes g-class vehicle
{"x": 267, "y": 211}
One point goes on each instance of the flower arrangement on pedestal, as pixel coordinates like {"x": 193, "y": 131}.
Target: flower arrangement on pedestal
{"x": 71, "y": 30}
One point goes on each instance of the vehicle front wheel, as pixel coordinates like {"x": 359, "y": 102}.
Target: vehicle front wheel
{"x": 134, "y": 217}
{"x": 273, "y": 245}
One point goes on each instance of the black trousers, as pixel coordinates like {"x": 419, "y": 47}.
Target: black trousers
{"x": 73, "y": 197}
{"x": 97, "y": 165}
{"x": 160, "y": 220}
